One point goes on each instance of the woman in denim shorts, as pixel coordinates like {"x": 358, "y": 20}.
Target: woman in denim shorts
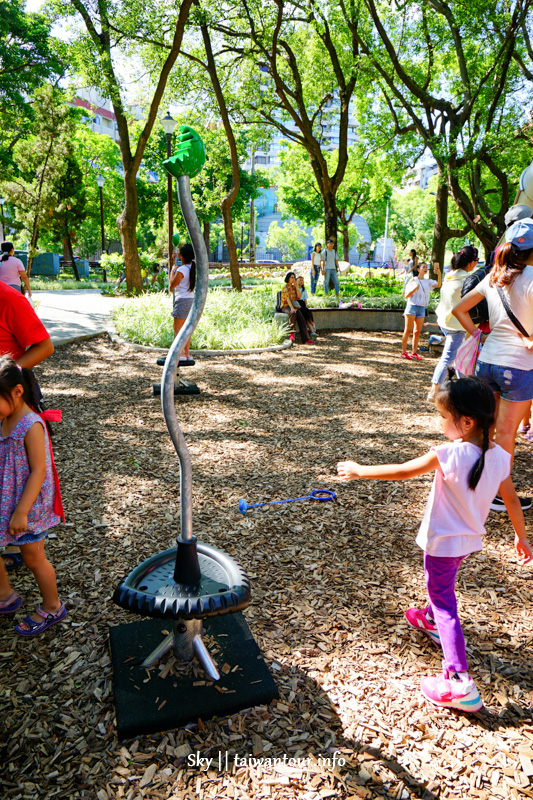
{"x": 463, "y": 262}
{"x": 506, "y": 358}
{"x": 417, "y": 294}
{"x": 182, "y": 280}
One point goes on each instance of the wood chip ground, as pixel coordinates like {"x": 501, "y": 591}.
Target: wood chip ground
{"x": 330, "y": 581}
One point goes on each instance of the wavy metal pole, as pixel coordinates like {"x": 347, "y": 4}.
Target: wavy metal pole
{"x": 171, "y": 363}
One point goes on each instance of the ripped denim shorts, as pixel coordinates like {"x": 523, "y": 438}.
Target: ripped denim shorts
{"x": 515, "y": 385}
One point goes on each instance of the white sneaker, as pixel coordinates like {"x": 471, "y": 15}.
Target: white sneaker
{"x": 498, "y": 504}
{"x": 448, "y": 691}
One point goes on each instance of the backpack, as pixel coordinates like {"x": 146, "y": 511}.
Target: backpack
{"x": 278, "y": 302}
{"x": 480, "y": 312}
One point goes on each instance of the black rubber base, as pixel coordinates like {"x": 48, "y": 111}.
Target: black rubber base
{"x": 161, "y": 704}
{"x": 190, "y": 362}
{"x": 183, "y": 387}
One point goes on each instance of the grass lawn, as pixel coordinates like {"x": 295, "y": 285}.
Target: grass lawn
{"x": 41, "y": 284}
{"x": 231, "y": 321}
{"x": 238, "y": 321}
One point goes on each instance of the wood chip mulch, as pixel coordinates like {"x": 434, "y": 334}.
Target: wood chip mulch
{"x": 331, "y": 582}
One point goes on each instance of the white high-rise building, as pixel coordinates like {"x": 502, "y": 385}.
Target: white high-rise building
{"x": 419, "y": 177}
{"x": 270, "y": 156}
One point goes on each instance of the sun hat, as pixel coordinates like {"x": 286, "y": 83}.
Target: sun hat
{"x": 521, "y": 234}
{"x": 516, "y": 213}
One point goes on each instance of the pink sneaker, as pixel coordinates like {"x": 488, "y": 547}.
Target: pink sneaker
{"x": 449, "y": 692}
{"x": 417, "y": 619}
{"x": 406, "y": 356}
{"x": 416, "y": 357}
{"x": 291, "y": 337}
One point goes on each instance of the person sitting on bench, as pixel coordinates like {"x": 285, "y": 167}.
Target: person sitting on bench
{"x": 290, "y": 297}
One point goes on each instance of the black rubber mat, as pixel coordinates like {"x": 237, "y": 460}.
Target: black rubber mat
{"x": 147, "y": 703}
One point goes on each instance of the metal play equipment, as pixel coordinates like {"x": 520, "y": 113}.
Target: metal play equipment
{"x": 192, "y": 581}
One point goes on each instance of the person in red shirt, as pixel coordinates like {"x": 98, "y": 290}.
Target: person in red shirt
{"x": 24, "y": 338}
{"x": 22, "y": 334}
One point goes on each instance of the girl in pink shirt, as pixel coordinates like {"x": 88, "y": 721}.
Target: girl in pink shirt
{"x": 469, "y": 471}
{"x": 12, "y": 270}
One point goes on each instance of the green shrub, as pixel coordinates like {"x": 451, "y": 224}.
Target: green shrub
{"x": 230, "y": 321}
{"x": 114, "y": 262}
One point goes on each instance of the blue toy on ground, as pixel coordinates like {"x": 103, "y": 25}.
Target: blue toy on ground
{"x": 322, "y": 495}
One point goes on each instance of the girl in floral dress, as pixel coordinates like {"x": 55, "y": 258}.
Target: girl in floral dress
{"x": 30, "y": 500}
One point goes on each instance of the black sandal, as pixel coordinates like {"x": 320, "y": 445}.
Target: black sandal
{"x": 17, "y": 561}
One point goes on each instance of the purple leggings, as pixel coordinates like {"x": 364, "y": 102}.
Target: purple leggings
{"x": 440, "y": 572}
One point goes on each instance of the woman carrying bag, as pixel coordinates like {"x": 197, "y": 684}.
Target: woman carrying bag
{"x": 463, "y": 262}
{"x": 506, "y": 358}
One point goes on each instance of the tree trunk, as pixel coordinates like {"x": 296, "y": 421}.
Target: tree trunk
{"x": 346, "y": 244}
{"x": 441, "y": 232}
{"x": 488, "y": 238}
{"x": 330, "y": 216}
{"x": 127, "y": 225}
{"x": 33, "y": 244}
{"x": 232, "y": 249}
{"x": 231, "y": 196}
{"x": 68, "y": 254}
{"x": 440, "y": 228}
{"x": 207, "y": 231}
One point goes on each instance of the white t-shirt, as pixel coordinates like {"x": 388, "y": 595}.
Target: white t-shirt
{"x": 503, "y": 346}
{"x": 182, "y": 289}
{"x": 455, "y": 515}
{"x": 421, "y": 296}
{"x": 316, "y": 258}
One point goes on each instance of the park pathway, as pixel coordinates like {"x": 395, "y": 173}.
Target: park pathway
{"x": 74, "y": 313}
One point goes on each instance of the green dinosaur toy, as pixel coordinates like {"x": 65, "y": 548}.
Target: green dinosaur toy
{"x": 189, "y": 157}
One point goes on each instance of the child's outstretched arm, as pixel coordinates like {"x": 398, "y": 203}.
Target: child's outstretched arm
{"x": 35, "y": 448}
{"x": 516, "y": 515}
{"x": 350, "y": 470}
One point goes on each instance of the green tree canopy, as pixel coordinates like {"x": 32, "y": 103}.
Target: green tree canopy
{"x": 289, "y": 238}
{"x": 464, "y": 97}
{"x": 40, "y": 187}
{"x": 30, "y": 57}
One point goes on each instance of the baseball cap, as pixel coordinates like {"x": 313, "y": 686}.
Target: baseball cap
{"x": 516, "y": 213}
{"x": 521, "y": 234}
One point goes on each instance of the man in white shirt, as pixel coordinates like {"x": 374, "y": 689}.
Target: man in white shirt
{"x": 330, "y": 267}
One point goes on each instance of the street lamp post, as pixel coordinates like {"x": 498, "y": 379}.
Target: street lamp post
{"x": 251, "y": 249}
{"x": 169, "y": 124}
{"x": 242, "y": 238}
{"x": 100, "y": 181}
{"x": 386, "y": 232}
{"x": 2, "y": 201}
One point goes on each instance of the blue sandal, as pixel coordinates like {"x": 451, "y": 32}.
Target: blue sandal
{"x": 38, "y": 627}
{"x": 15, "y": 563}
{"x": 10, "y": 605}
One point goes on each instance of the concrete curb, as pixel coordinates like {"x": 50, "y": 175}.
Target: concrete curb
{"x": 210, "y": 353}
{"x": 83, "y": 337}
